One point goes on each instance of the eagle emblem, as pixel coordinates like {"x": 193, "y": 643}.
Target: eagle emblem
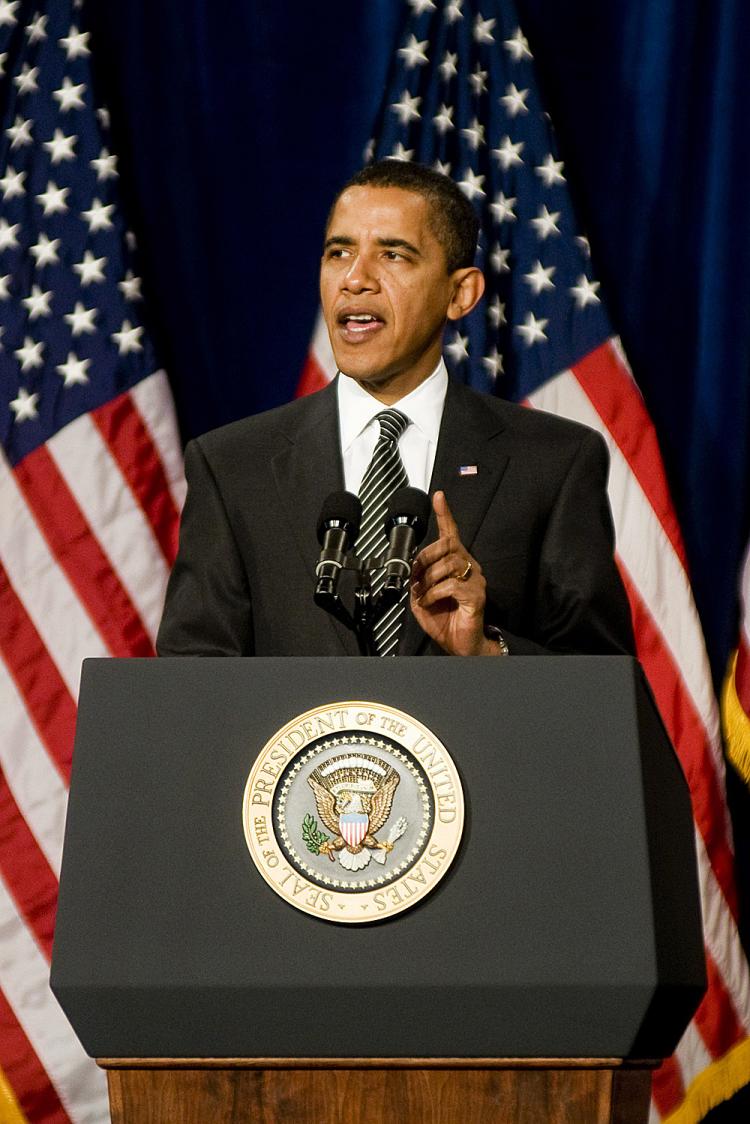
{"x": 354, "y": 795}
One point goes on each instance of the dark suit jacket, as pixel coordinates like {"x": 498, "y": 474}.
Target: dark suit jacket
{"x": 535, "y": 515}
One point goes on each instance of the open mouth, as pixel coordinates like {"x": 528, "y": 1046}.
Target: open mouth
{"x": 359, "y": 325}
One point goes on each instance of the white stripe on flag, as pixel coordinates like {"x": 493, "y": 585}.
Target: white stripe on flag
{"x": 320, "y": 346}
{"x": 24, "y": 979}
{"x": 37, "y": 787}
{"x": 50, "y": 601}
{"x": 722, "y": 938}
{"x": 153, "y": 399}
{"x": 116, "y": 518}
{"x": 640, "y": 540}
{"x": 692, "y": 1054}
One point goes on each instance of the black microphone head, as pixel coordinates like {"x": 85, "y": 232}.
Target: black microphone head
{"x": 410, "y": 505}
{"x": 342, "y": 509}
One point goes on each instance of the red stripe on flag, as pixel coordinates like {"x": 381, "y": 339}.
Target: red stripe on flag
{"x": 689, "y": 738}
{"x": 312, "y": 378}
{"x": 48, "y": 701}
{"x": 130, "y": 443}
{"x": 716, "y": 1017}
{"x": 26, "y": 1074}
{"x": 618, "y": 402}
{"x": 742, "y": 675}
{"x": 26, "y": 872}
{"x": 667, "y": 1088}
{"x": 79, "y": 554}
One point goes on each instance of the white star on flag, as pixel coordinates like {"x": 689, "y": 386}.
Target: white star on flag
{"x": 91, "y": 268}
{"x": 53, "y": 199}
{"x": 69, "y": 96}
{"x": 453, "y": 11}
{"x": 26, "y": 80}
{"x": 443, "y": 168}
{"x": 75, "y": 44}
{"x": 471, "y": 184}
{"x": 496, "y": 312}
{"x": 45, "y": 250}
{"x": 5, "y": 286}
{"x": 584, "y": 292}
{"x": 30, "y": 355}
{"x": 81, "y": 319}
{"x": 458, "y": 348}
{"x": 74, "y": 370}
{"x": 532, "y": 329}
{"x": 499, "y": 260}
{"x": 37, "y": 303}
{"x": 8, "y": 240}
{"x": 60, "y": 147}
{"x": 502, "y": 208}
{"x": 12, "y": 183}
{"x": 24, "y": 406}
{"x": 99, "y": 216}
{"x": 130, "y": 287}
{"x": 550, "y": 171}
{"x": 19, "y": 132}
{"x": 128, "y": 338}
{"x": 401, "y": 153}
{"x": 414, "y": 52}
{"x": 483, "y": 30}
{"x": 8, "y": 12}
{"x": 514, "y": 100}
{"x": 407, "y": 109}
{"x": 539, "y": 278}
{"x": 419, "y": 7}
{"x": 508, "y": 153}
{"x": 546, "y": 222}
{"x": 37, "y": 29}
{"x": 478, "y": 81}
{"x": 493, "y": 363}
{"x": 443, "y": 119}
{"x": 474, "y": 134}
{"x": 448, "y": 68}
{"x": 518, "y": 46}
{"x": 105, "y": 165}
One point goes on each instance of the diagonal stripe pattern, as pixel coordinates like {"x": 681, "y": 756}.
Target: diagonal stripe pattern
{"x": 385, "y": 474}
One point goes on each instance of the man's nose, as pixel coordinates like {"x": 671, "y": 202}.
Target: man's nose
{"x": 360, "y": 276}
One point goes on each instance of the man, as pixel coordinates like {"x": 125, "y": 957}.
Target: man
{"x": 520, "y": 547}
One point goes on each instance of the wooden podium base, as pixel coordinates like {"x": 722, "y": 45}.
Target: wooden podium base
{"x": 378, "y": 1090}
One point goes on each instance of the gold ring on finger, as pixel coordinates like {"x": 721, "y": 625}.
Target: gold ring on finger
{"x": 464, "y": 577}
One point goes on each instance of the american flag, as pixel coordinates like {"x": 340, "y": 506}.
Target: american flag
{"x": 462, "y": 98}
{"x": 90, "y": 489}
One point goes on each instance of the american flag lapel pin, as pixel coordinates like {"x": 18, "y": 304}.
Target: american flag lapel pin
{"x": 467, "y": 470}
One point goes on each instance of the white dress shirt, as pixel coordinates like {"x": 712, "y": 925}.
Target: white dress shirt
{"x": 359, "y": 431}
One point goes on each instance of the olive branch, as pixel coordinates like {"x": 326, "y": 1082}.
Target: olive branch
{"x": 311, "y": 835}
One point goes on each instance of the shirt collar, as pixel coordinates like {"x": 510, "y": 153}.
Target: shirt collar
{"x": 423, "y": 406}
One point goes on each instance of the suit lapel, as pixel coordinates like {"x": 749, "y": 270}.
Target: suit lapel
{"x": 307, "y": 470}
{"x": 470, "y": 435}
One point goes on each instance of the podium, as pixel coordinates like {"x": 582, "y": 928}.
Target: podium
{"x": 558, "y": 959}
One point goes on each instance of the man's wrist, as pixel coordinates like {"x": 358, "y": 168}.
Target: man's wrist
{"x": 499, "y": 646}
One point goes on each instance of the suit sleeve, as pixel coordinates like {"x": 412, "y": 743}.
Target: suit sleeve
{"x": 581, "y": 606}
{"x": 208, "y": 609}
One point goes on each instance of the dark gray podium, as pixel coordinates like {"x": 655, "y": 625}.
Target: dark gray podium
{"x": 564, "y": 940}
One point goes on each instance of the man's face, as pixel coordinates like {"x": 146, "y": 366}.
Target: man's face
{"x": 385, "y": 289}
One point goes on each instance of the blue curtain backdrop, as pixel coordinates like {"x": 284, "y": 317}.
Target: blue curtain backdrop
{"x": 237, "y": 121}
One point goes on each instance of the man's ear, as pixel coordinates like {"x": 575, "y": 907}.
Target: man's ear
{"x": 468, "y": 287}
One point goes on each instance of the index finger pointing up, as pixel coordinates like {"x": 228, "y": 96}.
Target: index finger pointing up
{"x": 445, "y": 521}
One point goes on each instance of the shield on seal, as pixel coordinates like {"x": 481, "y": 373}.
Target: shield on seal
{"x": 353, "y": 827}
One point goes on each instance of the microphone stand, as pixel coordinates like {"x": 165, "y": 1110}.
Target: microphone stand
{"x": 366, "y": 610}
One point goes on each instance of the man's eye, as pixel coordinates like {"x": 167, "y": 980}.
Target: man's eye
{"x": 395, "y": 255}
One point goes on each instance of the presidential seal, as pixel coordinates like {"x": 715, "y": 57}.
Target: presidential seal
{"x": 353, "y": 812}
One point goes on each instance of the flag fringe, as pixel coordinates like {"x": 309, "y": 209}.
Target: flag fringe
{"x": 10, "y": 1110}
{"x": 736, "y": 723}
{"x": 715, "y": 1084}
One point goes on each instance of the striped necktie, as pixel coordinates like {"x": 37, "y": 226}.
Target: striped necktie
{"x": 385, "y": 474}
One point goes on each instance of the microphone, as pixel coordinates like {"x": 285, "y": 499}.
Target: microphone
{"x": 405, "y": 527}
{"x": 338, "y": 527}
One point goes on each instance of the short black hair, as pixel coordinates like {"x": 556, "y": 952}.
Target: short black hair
{"x": 452, "y": 217}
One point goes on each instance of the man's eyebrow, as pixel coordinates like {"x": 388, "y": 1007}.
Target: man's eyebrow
{"x": 387, "y": 243}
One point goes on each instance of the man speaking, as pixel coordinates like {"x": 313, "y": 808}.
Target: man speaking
{"x": 520, "y": 543}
